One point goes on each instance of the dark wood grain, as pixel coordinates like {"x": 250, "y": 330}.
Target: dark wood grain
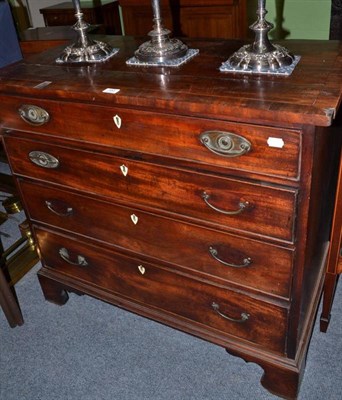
{"x": 144, "y": 132}
{"x": 9, "y": 303}
{"x": 334, "y": 261}
{"x": 269, "y": 211}
{"x": 162, "y": 288}
{"x": 162, "y": 238}
{"x": 309, "y": 96}
{"x": 87, "y": 204}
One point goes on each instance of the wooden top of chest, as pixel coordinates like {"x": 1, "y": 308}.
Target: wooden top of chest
{"x": 311, "y": 95}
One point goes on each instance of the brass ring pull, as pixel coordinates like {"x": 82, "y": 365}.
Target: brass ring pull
{"x": 81, "y": 261}
{"x": 242, "y": 206}
{"x": 244, "y": 316}
{"x": 214, "y": 253}
{"x": 50, "y": 206}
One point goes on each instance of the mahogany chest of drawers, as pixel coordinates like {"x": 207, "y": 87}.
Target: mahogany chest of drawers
{"x": 196, "y": 198}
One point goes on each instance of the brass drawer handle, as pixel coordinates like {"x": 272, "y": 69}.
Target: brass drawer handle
{"x": 244, "y": 316}
{"x": 33, "y": 115}
{"x": 81, "y": 261}
{"x": 44, "y": 160}
{"x": 214, "y": 253}
{"x": 225, "y": 144}
{"x": 242, "y": 205}
{"x": 68, "y": 210}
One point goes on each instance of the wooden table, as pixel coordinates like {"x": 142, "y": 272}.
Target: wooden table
{"x": 106, "y": 13}
{"x": 199, "y": 199}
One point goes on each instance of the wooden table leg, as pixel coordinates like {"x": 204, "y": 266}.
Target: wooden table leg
{"x": 9, "y": 303}
{"x": 334, "y": 256}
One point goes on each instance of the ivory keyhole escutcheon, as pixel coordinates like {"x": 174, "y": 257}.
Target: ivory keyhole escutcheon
{"x": 117, "y": 121}
{"x": 134, "y": 219}
{"x": 141, "y": 269}
{"x": 124, "y": 170}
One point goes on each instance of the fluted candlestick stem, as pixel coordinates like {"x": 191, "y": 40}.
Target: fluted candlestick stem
{"x": 156, "y": 9}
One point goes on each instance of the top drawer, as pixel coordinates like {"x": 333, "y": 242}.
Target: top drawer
{"x": 254, "y": 149}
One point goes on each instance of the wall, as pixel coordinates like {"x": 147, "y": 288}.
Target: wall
{"x": 302, "y": 19}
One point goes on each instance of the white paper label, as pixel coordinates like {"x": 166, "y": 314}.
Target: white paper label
{"x": 111, "y": 91}
{"x": 275, "y": 142}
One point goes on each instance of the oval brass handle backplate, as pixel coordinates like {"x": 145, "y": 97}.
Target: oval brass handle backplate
{"x": 33, "y": 115}
{"x": 225, "y": 144}
{"x": 43, "y": 159}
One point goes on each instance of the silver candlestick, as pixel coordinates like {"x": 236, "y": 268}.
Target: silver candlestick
{"x": 261, "y": 56}
{"x": 160, "y": 48}
{"x": 85, "y": 50}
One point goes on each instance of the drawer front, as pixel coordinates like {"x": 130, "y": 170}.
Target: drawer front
{"x": 249, "y": 263}
{"x": 274, "y": 152}
{"x": 253, "y": 320}
{"x": 226, "y": 203}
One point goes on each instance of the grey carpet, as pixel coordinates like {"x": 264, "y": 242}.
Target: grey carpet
{"x": 89, "y": 350}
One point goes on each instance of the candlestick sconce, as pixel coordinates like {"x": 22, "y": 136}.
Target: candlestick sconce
{"x": 85, "y": 50}
{"x": 261, "y": 57}
{"x": 161, "y": 50}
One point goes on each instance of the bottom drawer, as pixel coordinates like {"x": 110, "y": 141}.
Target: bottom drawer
{"x": 217, "y": 308}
